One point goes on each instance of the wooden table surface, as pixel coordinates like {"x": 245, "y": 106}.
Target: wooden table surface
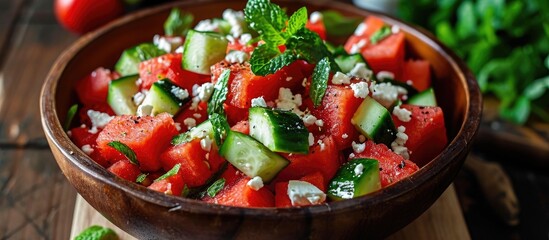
{"x": 36, "y": 201}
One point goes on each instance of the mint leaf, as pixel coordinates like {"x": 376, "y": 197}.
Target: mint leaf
{"x": 170, "y": 173}
{"x": 177, "y": 23}
{"x": 297, "y": 21}
{"x": 146, "y": 51}
{"x": 124, "y": 149}
{"x": 266, "y": 59}
{"x": 97, "y": 233}
{"x": 307, "y": 45}
{"x": 70, "y": 116}
{"x": 319, "y": 83}
{"x": 181, "y": 138}
{"x": 380, "y": 34}
{"x": 217, "y": 186}
{"x": 263, "y": 16}
{"x": 141, "y": 177}
{"x": 220, "y": 127}
{"x": 219, "y": 95}
{"x": 338, "y": 25}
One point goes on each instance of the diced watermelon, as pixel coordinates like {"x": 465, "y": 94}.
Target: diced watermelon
{"x": 426, "y": 133}
{"x": 245, "y": 86}
{"x": 231, "y": 175}
{"x": 317, "y": 27}
{"x": 235, "y": 114}
{"x": 169, "y": 66}
{"x": 100, "y": 107}
{"x": 386, "y": 55}
{"x": 325, "y": 161}
{"x": 82, "y": 136}
{"x": 146, "y": 136}
{"x": 199, "y": 114}
{"x": 240, "y": 194}
{"x": 93, "y": 88}
{"x": 338, "y": 107}
{"x": 419, "y": 72}
{"x": 172, "y": 185}
{"x": 281, "y": 188}
{"x": 393, "y": 167}
{"x": 125, "y": 170}
{"x": 242, "y": 126}
{"x": 372, "y": 24}
{"x": 196, "y": 167}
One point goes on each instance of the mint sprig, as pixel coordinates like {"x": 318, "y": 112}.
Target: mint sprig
{"x": 141, "y": 177}
{"x": 267, "y": 59}
{"x": 297, "y": 21}
{"x": 181, "y": 138}
{"x": 265, "y": 17}
{"x": 170, "y": 173}
{"x": 321, "y": 74}
{"x": 216, "y": 112}
{"x": 220, "y": 127}
{"x": 124, "y": 149}
{"x": 97, "y": 233}
{"x": 70, "y": 116}
{"x": 216, "y": 187}
{"x": 381, "y": 34}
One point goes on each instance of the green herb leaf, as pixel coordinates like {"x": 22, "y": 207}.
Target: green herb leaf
{"x": 216, "y": 187}
{"x": 297, "y": 21}
{"x": 185, "y": 191}
{"x": 321, "y": 74}
{"x": 181, "y": 138}
{"x": 380, "y": 34}
{"x": 146, "y": 51}
{"x": 263, "y": 16}
{"x": 219, "y": 95}
{"x": 307, "y": 45}
{"x": 124, "y": 149}
{"x": 266, "y": 59}
{"x": 97, "y": 233}
{"x": 338, "y": 25}
{"x": 70, "y": 116}
{"x": 141, "y": 177}
{"x": 178, "y": 23}
{"x": 170, "y": 173}
{"x": 220, "y": 127}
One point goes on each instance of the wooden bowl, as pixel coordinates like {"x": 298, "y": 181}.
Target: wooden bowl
{"x": 148, "y": 214}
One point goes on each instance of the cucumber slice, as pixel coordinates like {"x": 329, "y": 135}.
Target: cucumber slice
{"x": 202, "y": 130}
{"x": 375, "y": 122}
{"x": 202, "y": 50}
{"x": 347, "y": 62}
{"x": 355, "y": 178}
{"x": 128, "y": 64}
{"x": 164, "y": 96}
{"x": 251, "y": 157}
{"x": 426, "y": 98}
{"x": 121, "y": 92}
{"x": 280, "y": 131}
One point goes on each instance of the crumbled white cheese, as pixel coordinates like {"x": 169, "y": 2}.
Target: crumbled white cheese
{"x": 93, "y": 130}
{"x": 288, "y": 101}
{"x": 189, "y": 122}
{"x": 237, "y": 57}
{"x": 344, "y": 136}
{"x": 395, "y": 29}
{"x": 177, "y": 126}
{"x": 309, "y": 120}
{"x": 197, "y": 115}
{"x": 409, "y": 82}
{"x": 138, "y": 82}
{"x": 179, "y": 92}
{"x": 352, "y": 155}
{"x": 385, "y": 75}
{"x": 358, "y": 147}
{"x": 255, "y": 183}
{"x": 311, "y": 139}
{"x": 259, "y": 102}
{"x": 289, "y": 79}
{"x": 236, "y": 20}
{"x": 398, "y": 145}
{"x": 360, "y": 70}
{"x": 205, "y": 91}
{"x": 359, "y": 168}
{"x": 386, "y": 94}
{"x": 245, "y": 38}
{"x": 167, "y": 44}
{"x": 206, "y": 25}
{"x": 357, "y": 47}
{"x": 321, "y": 144}
{"x": 88, "y": 150}
{"x": 360, "y": 89}
{"x": 139, "y": 97}
{"x": 179, "y": 49}
{"x": 144, "y": 110}
{"x": 303, "y": 193}
{"x": 360, "y": 29}
{"x": 69, "y": 133}
{"x": 402, "y": 114}
{"x": 340, "y": 78}
{"x": 319, "y": 122}
{"x": 206, "y": 144}
{"x": 99, "y": 119}
{"x": 361, "y": 138}
{"x": 315, "y": 17}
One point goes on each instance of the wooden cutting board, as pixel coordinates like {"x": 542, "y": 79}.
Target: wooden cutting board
{"x": 444, "y": 220}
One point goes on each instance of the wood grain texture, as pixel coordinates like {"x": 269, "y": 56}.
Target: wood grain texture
{"x": 442, "y": 221}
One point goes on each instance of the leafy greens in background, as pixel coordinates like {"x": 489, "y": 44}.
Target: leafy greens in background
{"x": 504, "y": 42}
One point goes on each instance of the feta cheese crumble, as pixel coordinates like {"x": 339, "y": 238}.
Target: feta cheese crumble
{"x": 139, "y": 97}
{"x": 386, "y": 94}
{"x": 357, "y": 47}
{"x": 236, "y": 20}
{"x": 402, "y": 114}
{"x": 189, "y": 122}
{"x": 311, "y": 139}
{"x": 245, "y": 38}
{"x": 99, "y": 119}
{"x": 259, "y": 102}
{"x": 206, "y": 25}
{"x": 204, "y": 92}
{"x": 359, "y": 169}
{"x": 303, "y": 193}
{"x": 197, "y": 115}
{"x": 360, "y": 89}
{"x": 344, "y": 136}
{"x": 288, "y": 101}
{"x": 167, "y": 44}
{"x": 309, "y": 120}
{"x": 179, "y": 92}
{"x": 358, "y": 147}
{"x": 321, "y": 144}
{"x": 315, "y": 17}
{"x": 144, "y": 110}
{"x": 237, "y": 57}
{"x": 255, "y": 183}
{"x": 398, "y": 145}
{"x": 319, "y": 122}
{"x": 87, "y": 149}
{"x": 360, "y": 70}
{"x": 340, "y": 78}
{"x": 360, "y": 29}
{"x": 385, "y": 75}
{"x": 206, "y": 144}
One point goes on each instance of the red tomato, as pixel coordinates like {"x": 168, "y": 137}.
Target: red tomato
{"x": 81, "y": 16}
